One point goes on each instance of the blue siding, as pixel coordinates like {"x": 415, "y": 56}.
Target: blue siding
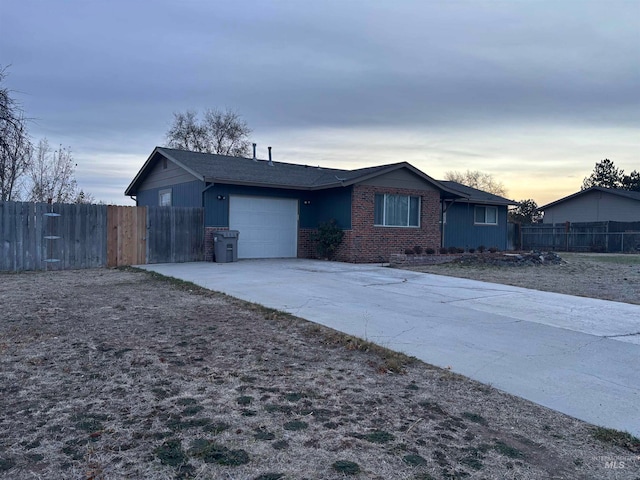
{"x": 187, "y": 194}
{"x": 325, "y": 205}
{"x": 460, "y": 230}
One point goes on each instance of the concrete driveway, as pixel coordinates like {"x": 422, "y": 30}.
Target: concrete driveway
{"x": 576, "y": 355}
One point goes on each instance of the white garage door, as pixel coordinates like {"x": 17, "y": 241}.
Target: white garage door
{"x": 268, "y": 226}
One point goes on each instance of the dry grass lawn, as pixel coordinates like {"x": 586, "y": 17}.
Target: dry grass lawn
{"x": 123, "y": 374}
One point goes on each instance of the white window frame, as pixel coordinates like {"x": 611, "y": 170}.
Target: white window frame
{"x": 485, "y": 207}
{"x": 163, "y": 194}
{"x": 384, "y": 209}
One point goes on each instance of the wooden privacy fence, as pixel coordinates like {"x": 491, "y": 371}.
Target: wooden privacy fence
{"x": 613, "y": 237}
{"x": 126, "y": 236}
{"x": 175, "y": 234}
{"x": 38, "y": 236}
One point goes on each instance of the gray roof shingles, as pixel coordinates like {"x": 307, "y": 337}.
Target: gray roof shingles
{"x": 475, "y": 195}
{"x": 221, "y": 168}
{"x": 246, "y": 171}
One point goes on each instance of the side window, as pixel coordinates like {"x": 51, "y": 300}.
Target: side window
{"x": 486, "y": 216}
{"x": 164, "y": 198}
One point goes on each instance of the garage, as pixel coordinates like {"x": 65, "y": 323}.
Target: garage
{"x": 268, "y": 226}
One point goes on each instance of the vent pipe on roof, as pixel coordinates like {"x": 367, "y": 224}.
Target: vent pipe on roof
{"x": 270, "y": 162}
{"x": 254, "y": 153}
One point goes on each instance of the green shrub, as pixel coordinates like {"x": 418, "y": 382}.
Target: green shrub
{"x": 408, "y": 251}
{"x": 443, "y": 250}
{"x": 482, "y": 248}
{"x": 328, "y": 237}
{"x": 429, "y": 251}
{"x": 417, "y": 249}
{"x": 493, "y": 249}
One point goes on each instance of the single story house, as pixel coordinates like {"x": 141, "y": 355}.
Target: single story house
{"x": 277, "y": 206}
{"x": 595, "y": 204}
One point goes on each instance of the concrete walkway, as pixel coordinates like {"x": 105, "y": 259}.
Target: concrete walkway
{"x": 576, "y": 355}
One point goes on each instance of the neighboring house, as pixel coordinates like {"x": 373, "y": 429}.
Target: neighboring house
{"x": 595, "y": 204}
{"x": 476, "y": 218}
{"x": 277, "y": 206}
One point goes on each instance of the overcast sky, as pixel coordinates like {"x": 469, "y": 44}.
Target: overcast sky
{"x": 533, "y": 92}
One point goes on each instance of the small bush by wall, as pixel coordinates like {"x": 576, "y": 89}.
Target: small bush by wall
{"x": 328, "y": 237}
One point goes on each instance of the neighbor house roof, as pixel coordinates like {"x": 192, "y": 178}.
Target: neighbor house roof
{"x": 246, "y": 171}
{"x": 613, "y": 191}
{"x": 473, "y": 195}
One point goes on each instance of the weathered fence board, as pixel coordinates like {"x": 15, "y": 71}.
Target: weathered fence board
{"x": 175, "y": 234}
{"x": 31, "y": 238}
{"x": 89, "y": 236}
{"x": 127, "y": 236}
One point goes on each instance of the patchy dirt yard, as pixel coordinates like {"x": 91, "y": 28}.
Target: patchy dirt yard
{"x": 599, "y": 275}
{"x": 123, "y": 374}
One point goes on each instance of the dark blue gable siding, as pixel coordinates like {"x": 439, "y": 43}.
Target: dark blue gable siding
{"x": 322, "y": 205}
{"x": 461, "y": 231}
{"x": 187, "y": 194}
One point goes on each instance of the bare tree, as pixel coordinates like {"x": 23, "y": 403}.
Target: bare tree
{"x": 52, "y": 175}
{"x": 221, "y": 132}
{"x": 15, "y": 146}
{"x": 476, "y": 179}
{"x": 83, "y": 197}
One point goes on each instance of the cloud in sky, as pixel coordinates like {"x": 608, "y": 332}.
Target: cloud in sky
{"x": 534, "y": 92}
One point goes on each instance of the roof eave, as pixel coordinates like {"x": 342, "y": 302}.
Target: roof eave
{"x": 568, "y": 197}
{"x": 479, "y": 201}
{"x": 225, "y": 181}
{"x": 590, "y": 189}
{"x": 134, "y": 183}
{"x": 132, "y": 188}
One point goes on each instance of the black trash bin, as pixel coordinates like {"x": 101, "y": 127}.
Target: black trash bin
{"x": 226, "y": 246}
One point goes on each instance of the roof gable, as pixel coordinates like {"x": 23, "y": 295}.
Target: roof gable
{"x": 612, "y": 191}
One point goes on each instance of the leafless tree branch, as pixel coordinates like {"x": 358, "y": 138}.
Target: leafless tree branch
{"x": 220, "y": 132}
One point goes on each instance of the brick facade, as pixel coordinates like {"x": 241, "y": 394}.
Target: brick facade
{"x": 367, "y": 243}
{"x": 306, "y": 246}
{"x": 209, "y": 248}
